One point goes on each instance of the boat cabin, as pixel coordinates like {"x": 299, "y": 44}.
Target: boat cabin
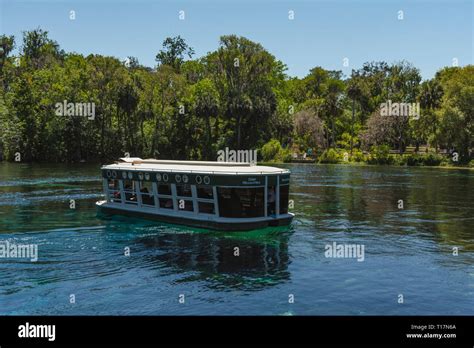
{"x": 216, "y": 195}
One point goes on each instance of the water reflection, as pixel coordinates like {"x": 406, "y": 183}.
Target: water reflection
{"x": 244, "y": 261}
{"x": 347, "y": 198}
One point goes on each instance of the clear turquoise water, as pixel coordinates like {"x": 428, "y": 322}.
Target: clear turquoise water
{"x": 407, "y": 251}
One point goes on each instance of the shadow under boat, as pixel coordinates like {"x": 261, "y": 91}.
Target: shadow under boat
{"x": 227, "y": 261}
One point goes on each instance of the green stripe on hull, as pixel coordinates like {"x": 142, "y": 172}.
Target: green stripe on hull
{"x": 214, "y": 225}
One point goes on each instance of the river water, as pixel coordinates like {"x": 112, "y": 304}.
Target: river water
{"x": 410, "y": 264}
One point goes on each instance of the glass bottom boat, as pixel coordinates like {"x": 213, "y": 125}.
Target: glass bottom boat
{"x": 214, "y": 195}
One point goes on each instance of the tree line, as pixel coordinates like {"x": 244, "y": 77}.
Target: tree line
{"x": 238, "y": 96}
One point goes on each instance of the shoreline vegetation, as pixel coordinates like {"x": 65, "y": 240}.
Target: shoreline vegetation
{"x": 64, "y": 107}
{"x": 365, "y": 164}
{"x": 378, "y": 155}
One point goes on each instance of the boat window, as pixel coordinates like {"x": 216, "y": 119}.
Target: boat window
{"x": 206, "y": 208}
{"x": 113, "y": 185}
{"x": 114, "y": 190}
{"x": 241, "y": 202}
{"x": 129, "y": 190}
{"x": 284, "y": 193}
{"x": 184, "y": 190}
{"x": 164, "y": 189}
{"x": 271, "y": 200}
{"x": 146, "y": 192}
{"x": 128, "y": 185}
{"x": 185, "y": 204}
{"x": 205, "y": 192}
{"x": 166, "y": 203}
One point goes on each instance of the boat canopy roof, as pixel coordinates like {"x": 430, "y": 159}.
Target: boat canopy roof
{"x": 229, "y": 168}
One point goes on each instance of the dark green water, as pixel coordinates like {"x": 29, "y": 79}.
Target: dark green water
{"x": 407, "y": 251}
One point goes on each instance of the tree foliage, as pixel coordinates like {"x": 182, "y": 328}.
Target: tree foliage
{"x": 236, "y": 96}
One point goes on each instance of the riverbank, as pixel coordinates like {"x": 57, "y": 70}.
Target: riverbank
{"x": 273, "y": 152}
{"x": 362, "y": 164}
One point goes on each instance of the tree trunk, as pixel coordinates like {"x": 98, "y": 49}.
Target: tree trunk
{"x": 352, "y": 124}
{"x": 332, "y": 133}
{"x": 216, "y": 130}
{"x": 238, "y": 132}
{"x": 155, "y": 136}
{"x": 156, "y": 133}
{"x": 142, "y": 133}
{"x": 208, "y": 140}
{"x": 102, "y": 131}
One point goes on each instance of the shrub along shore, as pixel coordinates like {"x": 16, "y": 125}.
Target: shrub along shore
{"x": 378, "y": 155}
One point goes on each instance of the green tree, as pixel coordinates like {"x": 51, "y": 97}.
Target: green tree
{"x": 244, "y": 71}
{"x": 175, "y": 50}
{"x": 39, "y": 50}
{"x": 205, "y": 99}
{"x": 425, "y": 129}
{"x": 457, "y": 110}
{"x": 358, "y": 93}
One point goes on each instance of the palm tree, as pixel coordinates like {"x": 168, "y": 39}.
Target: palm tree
{"x": 355, "y": 93}
{"x": 430, "y": 97}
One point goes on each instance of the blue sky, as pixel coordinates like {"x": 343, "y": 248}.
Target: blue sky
{"x": 323, "y": 33}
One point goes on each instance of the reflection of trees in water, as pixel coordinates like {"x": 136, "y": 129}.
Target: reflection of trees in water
{"x": 445, "y": 199}
{"x": 263, "y": 261}
{"x": 436, "y": 202}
